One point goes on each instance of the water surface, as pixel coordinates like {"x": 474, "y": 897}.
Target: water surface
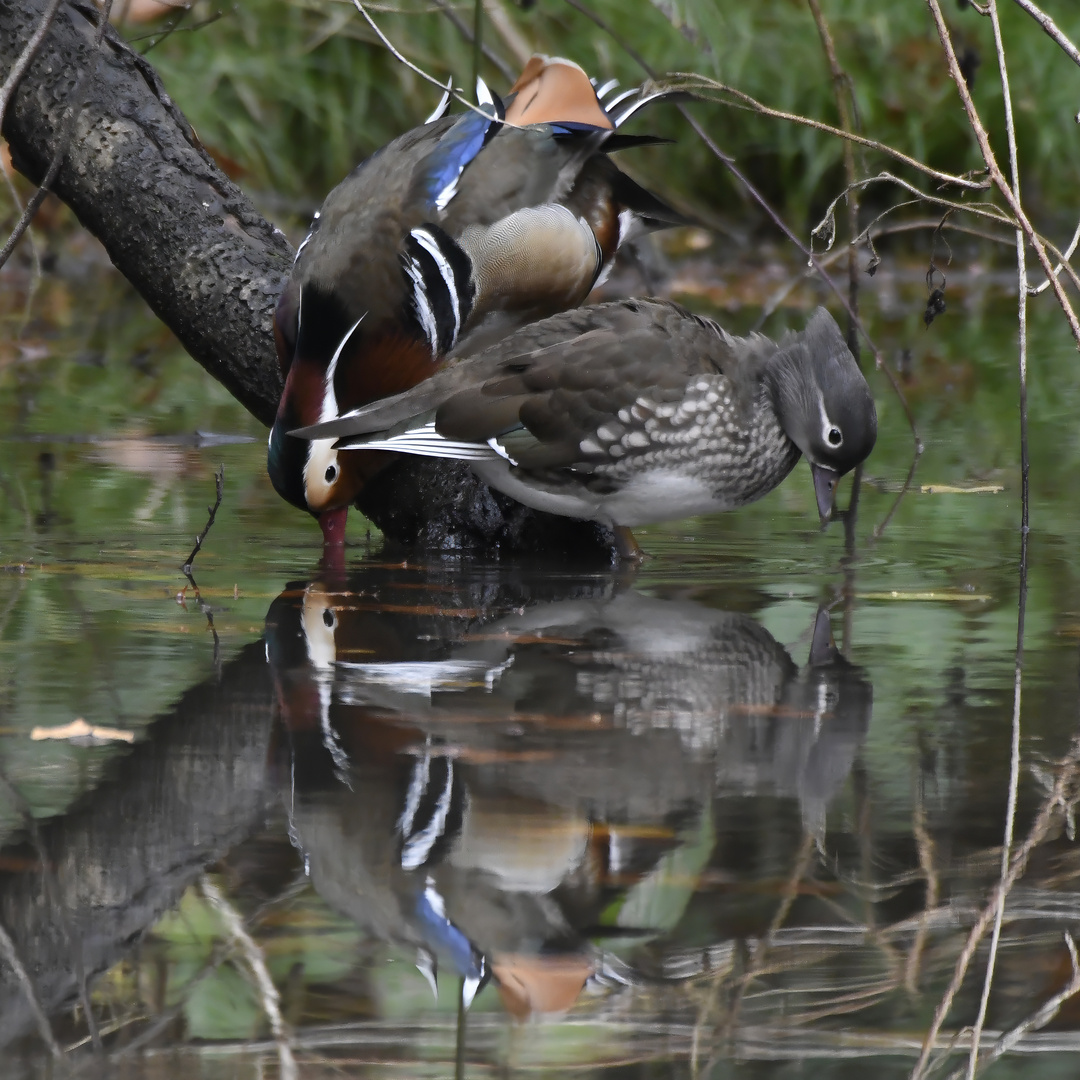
{"x": 644, "y": 822}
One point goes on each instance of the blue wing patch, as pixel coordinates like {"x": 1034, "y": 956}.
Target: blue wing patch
{"x": 456, "y": 149}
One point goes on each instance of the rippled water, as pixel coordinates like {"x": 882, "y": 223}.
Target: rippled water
{"x": 650, "y": 822}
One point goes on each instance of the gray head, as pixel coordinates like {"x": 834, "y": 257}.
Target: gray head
{"x": 824, "y": 403}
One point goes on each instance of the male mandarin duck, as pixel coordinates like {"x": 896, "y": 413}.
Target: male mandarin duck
{"x": 442, "y": 242}
{"x": 633, "y": 412}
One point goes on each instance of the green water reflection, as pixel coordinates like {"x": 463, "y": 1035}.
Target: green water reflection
{"x": 675, "y": 848}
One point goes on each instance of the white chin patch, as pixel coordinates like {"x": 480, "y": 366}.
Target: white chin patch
{"x": 322, "y": 462}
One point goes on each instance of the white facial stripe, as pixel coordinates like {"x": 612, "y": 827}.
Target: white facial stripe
{"x": 827, "y": 425}
{"x": 423, "y": 305}
{"x": 329, "y": 409}
{"x": 431, "y": 246}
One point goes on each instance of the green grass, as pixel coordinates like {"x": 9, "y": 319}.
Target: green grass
{"x": 290, "y": 94}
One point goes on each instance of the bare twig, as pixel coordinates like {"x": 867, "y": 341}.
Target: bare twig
{"x": 401, "y": 58}
{"x": 7, "y": 947}
{"x": 253, "y": 955}
{"x": 462, "y": 27}
{"x": 996, "y": 174}
{"x": 1014, "y": 766}
{"x": 219, "y": 487}
{"x": 1066, "y": 255}
{"x": 1051, "y": 28}
{"x": 26, "y": 56}
{"x": 694, "y": 83}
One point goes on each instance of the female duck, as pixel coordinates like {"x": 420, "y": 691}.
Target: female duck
{"x": 635, "y": 412}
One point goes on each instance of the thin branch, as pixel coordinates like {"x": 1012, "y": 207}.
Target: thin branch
{"x": 7, "y": 948}
{"x": 253, "y": 955}
{"x": 1066, "y": 255}
{"x": 462, "y": 27}
{"x": 1051, "y": 28}
{"x": 694, "y": 83}
{"x": 1014, "y": 766}
{"x": 995, "y": 171}
{"x": 219, "y": 486}
{"x": 401, "y": 58}
{"x": 64, "y": 141}
{"x": 20, "y": 66}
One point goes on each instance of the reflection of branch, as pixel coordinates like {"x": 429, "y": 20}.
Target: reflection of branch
{"x": 925, "y": 844}
{"x": 7, "y": 947}
{"x": 271, "y": 1001}
{"x": 1041, "y": 1017}
{"x": 1058, "y": 798}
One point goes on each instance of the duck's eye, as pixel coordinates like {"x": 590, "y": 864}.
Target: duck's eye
{"x": 834, "y": 436}
{"x": 331, "y": 474}
{"x": 328, "y": 619}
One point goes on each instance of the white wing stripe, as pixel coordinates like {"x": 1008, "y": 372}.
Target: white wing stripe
{"x": 425, "y": 442}
{"x": 423, "y": 305}
{"x": 431, "y": 246}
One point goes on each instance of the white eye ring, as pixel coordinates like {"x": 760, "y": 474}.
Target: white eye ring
{"x": 834, "y": 437}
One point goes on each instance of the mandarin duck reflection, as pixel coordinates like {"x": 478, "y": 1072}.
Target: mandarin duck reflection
{"x": 633, "y": 412}
{"x": 442, "y": 242}
{"x": 504, "y": 782}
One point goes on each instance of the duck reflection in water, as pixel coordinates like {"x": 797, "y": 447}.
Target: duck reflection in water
{"x": 499, "y": 773}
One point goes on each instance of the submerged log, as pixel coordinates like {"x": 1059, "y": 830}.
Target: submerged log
{"x": 208, "y": 264}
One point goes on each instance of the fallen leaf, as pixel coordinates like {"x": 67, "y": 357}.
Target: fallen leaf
{"x": 80, "y": 729}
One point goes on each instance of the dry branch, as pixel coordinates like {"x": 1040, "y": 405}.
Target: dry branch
{"x": 998, "y": 177}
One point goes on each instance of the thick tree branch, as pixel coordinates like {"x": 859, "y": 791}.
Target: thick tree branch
{"x": 136, "y": 176}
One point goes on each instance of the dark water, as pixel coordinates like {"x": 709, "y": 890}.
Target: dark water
{"x": 649, "y": 823}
